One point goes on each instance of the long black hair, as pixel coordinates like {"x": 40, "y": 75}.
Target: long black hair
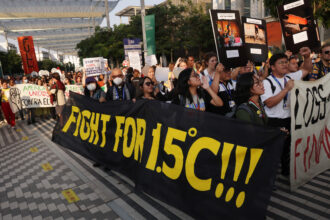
{"x": 87, "y": 92}
{"x": 182, "y": 87}
{"x": 244, "y": 84}
{"x": 142, "y": 80}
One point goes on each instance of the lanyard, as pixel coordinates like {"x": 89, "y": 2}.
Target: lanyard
{"x": 278, "y": 82}
{"x": 196, "y": 106}
{"x": 228, "y": 91}
{"x": 260, "y": 111}
{"x": 117, "y": 94}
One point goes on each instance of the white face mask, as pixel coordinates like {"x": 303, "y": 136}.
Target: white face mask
{"x": 91, "y": 86}
{"x": 118, "y": 81}
{"x": 25, "y": 80}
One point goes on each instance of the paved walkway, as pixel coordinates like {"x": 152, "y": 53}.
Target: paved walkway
{"x": 41, "y": 180}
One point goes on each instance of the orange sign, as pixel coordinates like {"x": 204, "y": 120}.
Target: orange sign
{"x": 274, "y": 34}
{"x": 28, "y": 54}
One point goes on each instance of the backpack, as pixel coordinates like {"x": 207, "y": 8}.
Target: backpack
{"x": 272, "y": 85}
{"x": 243, "y": 106}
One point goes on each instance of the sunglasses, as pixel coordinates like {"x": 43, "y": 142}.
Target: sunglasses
{"x": 149, "y": 83}
{"x": 327, "y": 52}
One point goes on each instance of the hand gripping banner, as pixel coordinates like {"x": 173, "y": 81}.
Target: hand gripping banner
{"x": 207, "y": 165}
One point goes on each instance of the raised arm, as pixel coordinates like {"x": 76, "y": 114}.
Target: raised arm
{"x": 307, "y": 65}
{"x": 216, "y": 100}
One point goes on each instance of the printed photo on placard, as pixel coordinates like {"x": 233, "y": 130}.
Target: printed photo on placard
{"x": 227, "y": 33}
{"x": 299, "y": 26}
{"x": 255, "y": 39}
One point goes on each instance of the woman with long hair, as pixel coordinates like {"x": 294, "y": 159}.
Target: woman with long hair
{"x": 192, "y": 92}
{"x": 249, "y": 108}
{"x": 147, "y": 88}
{"x": 210, "y": 62}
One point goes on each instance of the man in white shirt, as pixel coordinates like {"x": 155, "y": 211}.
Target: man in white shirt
{"x": 277, "y": 96}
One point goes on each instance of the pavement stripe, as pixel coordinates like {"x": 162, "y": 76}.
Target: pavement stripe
{"x": 284, "y": 207}
{"x": 297, "y": 204}
{"x": 9, "y": 138}
{"x": 305, "y": 188}
{"x": 2, "y": 133}
{"x": 2, "y": 141}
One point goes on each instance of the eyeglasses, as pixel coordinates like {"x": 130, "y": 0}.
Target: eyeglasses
{"x": 258, "y": 82}
{"x": 282, "y": 62}
{"x": 149, "y": 83}
{"x": 327, "y": 52}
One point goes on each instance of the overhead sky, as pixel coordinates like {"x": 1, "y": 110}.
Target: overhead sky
{"x": 123, "y": 4}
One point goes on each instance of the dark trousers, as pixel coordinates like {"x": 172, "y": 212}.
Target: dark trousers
{"x": 285, "y": 158}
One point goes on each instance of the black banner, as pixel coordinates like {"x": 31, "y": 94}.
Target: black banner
{"x": 207, "y": 165}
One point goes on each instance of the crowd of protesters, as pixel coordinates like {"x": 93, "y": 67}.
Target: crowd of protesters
{"x": 257, "y": 95}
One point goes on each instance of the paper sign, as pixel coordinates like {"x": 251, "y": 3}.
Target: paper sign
{"x": 177, "y": 71}
{"x": 300, "y": 37}
{"x": 226, "y": 16}
{"x": 232, "y": 53}
{"x": 162, "y": 74}
{"x": 293, "y": 5}
{"x": 94, "y": 66}
{"x": 134, "y": 60}
{"x": 253, "y": 21}
{"x": 255, "y": 51}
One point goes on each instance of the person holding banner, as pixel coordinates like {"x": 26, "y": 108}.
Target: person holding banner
{"x": 277, "y": 95}
{"x": 248, "y": 91}
{"x": 56, "y": 93}
{"x": 322, "y": 67}
{"x": 9, "y": 115}
{"x": 118, "y": 89}
{"x": 189, "y": 94}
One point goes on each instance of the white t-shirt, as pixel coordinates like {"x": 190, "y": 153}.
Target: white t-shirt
{"x": 206, "y": 73}
{"x": 279, "y": 110}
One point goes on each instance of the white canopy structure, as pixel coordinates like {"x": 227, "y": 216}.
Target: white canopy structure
{"x": 54, "y": 24}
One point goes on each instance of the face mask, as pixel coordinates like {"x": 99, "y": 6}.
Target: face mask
{"x": 91, "y": 86}
{"x": 118, "y": 81}
{"x": 25, "y": 80}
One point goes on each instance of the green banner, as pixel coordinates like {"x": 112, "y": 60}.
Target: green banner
{"x": 150, "y": 34}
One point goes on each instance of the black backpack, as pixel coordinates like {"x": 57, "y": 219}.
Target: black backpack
{"x": 243, "y": 106}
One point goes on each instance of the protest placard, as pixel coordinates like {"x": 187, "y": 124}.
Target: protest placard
{"x": 255, "y": 39}
{"x": 134, "y": 60}
{"x": 310, "y": 127}
{"x": 33, "y": 96}
{"x": 299, "y": 27}
{"x": 93, "y": 66}
{"x": 228, "y": 37}
{"x": 162, "y": 74}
